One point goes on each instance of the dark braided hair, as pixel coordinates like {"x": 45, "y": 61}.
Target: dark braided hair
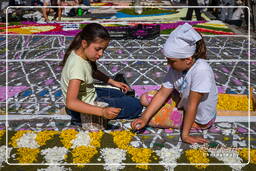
{"x": 200, "y": 49}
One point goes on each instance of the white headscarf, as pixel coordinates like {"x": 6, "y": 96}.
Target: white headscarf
{"x": 181, "y": 42}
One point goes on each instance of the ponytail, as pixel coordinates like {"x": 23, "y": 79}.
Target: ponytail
{"x": 75, "y": 44}
{"x": 200, "y": 49}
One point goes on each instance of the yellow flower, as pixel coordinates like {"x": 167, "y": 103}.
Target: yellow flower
{"x": 214, "y": 25}
{"x": 195, "y": 156}
{"x": 43, "y": 136}
{"x": 122, "y": 138}
{"x": 244, "y": 154}
{"x": 83, "y": 154}
{"x": 27, "y": 155}
{"x": 2, "y": 132}
{"x": 140, "y": 155}
{"x": 226, "y": 138}
{"x": 95, "y": 138}
{"x": 31, "y": 29}
{"x": 233, "y": 102}
{"x": 17, "y": 136}
{"x": 66, "y": 136}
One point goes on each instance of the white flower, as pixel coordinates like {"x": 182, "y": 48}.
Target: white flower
{"x": 28, "y": 140}
{"x": 228, "y": 131}
{"x": 168, "y": 156}
{"x": 228, "y": 156}
{"x": 195, "y": 146}
{"x": 3, "y": 154}
{"x": 224, "y": 125}
{"x": 82, "y": 139}
{"x": 55, "y": 154}
{"x": 54, "y": 168}
{"x": 67, "y": 27}
{"x": 135, "y": 143}
{"x": 113, "y": 156}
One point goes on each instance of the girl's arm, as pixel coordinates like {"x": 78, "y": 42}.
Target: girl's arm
{"x": 157, "y": 101}
{"x": 73, "y": 103}
{"x": 189, "y": 118}
{"x": 124, "y": 87}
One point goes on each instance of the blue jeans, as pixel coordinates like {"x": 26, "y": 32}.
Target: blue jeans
{"x": 130, "y": 106}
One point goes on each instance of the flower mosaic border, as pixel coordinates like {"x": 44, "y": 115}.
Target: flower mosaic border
{"x": 83, "y": 146}
{"x": 71, "y": 29}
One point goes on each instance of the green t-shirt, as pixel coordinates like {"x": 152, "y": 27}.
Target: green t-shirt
{"x": 78, "y": 68}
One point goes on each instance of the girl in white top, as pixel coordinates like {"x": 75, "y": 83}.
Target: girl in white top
{"x": 189, "y": 75}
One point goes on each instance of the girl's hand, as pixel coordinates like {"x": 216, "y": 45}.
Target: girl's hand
{"x": 192, "y": 139}
{"x": 124, "y": 87}
{"x": 139, "y": 123}
{"x": 110, "y": 112}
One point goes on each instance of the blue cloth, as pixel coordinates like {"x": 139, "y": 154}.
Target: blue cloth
{"x": 130, "y": 106}
{"x": 124, "y": 15}
{"x": 75, "y": 117}
{"x": 86, "y": 2}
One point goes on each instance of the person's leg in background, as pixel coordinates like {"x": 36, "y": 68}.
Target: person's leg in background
{"x": 189, "y": 14}
{"x": 57, "y": 11}
{"x": 198, "y": 14}
{"x": 197, "y": 10}
{"x": 226, "y": 13}
{"x": 46, "y": 11}
{"x": 190, "y": 11}
{"x": 230, "y": 10}
{"x": 86, "y": 3}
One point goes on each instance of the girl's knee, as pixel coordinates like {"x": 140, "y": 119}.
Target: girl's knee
{"x": 144, "y": 100}
{"x": 164, "y": 125}
{"x": 167, "y": 117}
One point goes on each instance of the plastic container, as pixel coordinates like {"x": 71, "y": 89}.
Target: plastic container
{"x": 79, "y": 11}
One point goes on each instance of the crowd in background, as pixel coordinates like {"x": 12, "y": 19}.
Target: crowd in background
{"x": 43, "y": 13}
{"x": 236, "y": 16}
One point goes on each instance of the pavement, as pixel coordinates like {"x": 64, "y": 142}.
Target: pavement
{"x": 34, "y": 74}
